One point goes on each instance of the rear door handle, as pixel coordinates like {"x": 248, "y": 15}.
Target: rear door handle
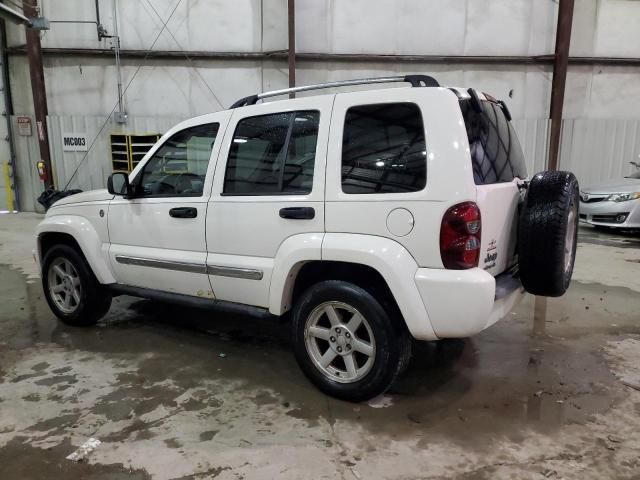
{"x": 183, "y": 212}
{"x": 298, "y": 213}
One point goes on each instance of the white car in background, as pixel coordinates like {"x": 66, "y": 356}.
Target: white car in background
{"x": 615, "y": 203}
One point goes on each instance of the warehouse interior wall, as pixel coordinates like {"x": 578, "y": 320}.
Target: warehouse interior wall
{"x": 180, "y": 88}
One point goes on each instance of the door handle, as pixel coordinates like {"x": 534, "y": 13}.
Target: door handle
{"x": 298, "y": 213}
{"x": 183, "y": 212}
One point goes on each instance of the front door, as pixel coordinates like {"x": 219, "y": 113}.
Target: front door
{"x": 268, "y": 192}
{"x": 157, "y": 239}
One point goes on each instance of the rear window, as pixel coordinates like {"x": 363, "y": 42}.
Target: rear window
{"x": 496, "y": 154}
{"x": 383, "y": 149}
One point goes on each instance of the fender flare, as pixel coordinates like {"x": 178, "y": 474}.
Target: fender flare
{"x": 396, "y": 265}
{"x": 389, "y": 258}
{"x": 87, "y": 238}
{"x": 292, "y": 254}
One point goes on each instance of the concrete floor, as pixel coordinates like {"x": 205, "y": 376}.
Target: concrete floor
{"x": 552, "y": 391}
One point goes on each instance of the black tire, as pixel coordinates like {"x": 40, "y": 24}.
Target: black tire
{"x": 95, "y": 299}
{"x": 392, "y": 341}
{"x": 549, "y": 215}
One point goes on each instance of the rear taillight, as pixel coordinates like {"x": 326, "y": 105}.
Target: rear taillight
{"x": 460, "y": 236}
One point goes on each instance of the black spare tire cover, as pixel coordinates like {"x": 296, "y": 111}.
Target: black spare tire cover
{"x": 547, "y": 233}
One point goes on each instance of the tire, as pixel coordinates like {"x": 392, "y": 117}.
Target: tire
{"x": 65, "y": 266}
{"x": 375, "y": 368}
{"x": 548, "y": 232}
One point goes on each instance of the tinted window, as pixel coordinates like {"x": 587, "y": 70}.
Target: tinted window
{"x": 273, "y": 154}
{"x": 383, "y": 149}
{"x": 179, "y": 166}
{"x": 495, "y": 150}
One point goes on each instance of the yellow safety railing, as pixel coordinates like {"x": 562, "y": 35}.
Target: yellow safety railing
{"x": 6, "y": 173}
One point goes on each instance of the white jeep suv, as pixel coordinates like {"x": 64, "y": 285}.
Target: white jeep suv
{"x": 370, "y": 217}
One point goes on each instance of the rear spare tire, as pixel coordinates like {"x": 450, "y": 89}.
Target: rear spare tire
{"x": 548, "y": 232}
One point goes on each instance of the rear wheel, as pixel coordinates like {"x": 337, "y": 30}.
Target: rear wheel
{"x": 71, "y": 289}
{"x": 345, "y": 341}
{"x": 548, "y": 232}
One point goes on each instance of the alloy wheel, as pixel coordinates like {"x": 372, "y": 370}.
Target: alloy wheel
{"x": 64, "y": 285}
{"x": 570, "y": 235}
{"x": 340, "y": 342}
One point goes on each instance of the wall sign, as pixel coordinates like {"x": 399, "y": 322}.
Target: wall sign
{"x": 24, "y": 126}
{"x": 74, "y": 142}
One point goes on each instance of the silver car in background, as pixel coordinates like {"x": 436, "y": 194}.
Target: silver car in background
{"x": 615, "y": 203}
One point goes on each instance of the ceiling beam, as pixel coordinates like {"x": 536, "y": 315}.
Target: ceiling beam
{"x": 283, "y": 55}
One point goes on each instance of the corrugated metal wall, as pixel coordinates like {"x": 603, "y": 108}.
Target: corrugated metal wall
{"x": 597, "y": 150}
{"x": 594, "y": 150}
{"x": 534, "y": 139}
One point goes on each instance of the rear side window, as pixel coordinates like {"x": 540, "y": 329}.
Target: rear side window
{"x": 383, "y": 149}
{"x": 273, "y": 154}
{"x": 496, "y": 154}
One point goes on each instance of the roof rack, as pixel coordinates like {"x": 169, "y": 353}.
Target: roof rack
{"x": 414, "y": 80}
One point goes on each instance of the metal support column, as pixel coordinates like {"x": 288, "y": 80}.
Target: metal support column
{"x": 560, "y": 63}
{"x": 8, "y": 111}
{"x": 36, "y": 72}
{"x": 292, "y": 45}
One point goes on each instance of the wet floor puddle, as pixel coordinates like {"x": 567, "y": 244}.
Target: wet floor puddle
{"x": 542, "y": 367}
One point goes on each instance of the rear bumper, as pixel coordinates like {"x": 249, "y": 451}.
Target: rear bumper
{"x": 461, "y": 303}
{"x": 611, "y": 214}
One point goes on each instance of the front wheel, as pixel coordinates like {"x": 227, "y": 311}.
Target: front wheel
{"x": 71, "y": 289}
{"x": 345, "y": 341}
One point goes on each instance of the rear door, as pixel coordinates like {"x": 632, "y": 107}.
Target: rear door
{"x": 498, "y": 164}
{"x": 268, "y": 187}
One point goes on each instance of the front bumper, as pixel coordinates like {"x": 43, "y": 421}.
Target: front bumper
{"x": 461, "y": 303}
{"x": 611, "y": 214}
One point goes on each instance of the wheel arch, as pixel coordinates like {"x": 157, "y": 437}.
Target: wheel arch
{"x": 371, "y": 262}
{"x": 364, "y": 276}
{"x": 78, "y": 233}
{"x": 46, "y": 240}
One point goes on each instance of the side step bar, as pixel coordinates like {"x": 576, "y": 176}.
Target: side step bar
{"x": 190, "y": 301}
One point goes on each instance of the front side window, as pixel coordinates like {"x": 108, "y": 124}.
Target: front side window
{"x": 273, "y": 154}
{"x": 179, "y": 166}
{"x": 496, "y": 154}
{"x": 383, "y": 149}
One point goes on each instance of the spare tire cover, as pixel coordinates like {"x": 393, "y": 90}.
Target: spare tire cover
{"x": 547, "y": 233}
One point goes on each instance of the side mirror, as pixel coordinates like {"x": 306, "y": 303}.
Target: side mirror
{"x": 118, "y": 184}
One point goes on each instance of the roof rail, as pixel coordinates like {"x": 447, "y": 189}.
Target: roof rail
{"x": 414, "y": 80}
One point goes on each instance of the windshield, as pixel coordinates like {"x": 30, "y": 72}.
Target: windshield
{"x": 634, "y": 175}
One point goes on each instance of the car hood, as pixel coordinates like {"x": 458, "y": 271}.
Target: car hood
{"x": 84, "y": 197}
{"x": 619, "y": 185}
